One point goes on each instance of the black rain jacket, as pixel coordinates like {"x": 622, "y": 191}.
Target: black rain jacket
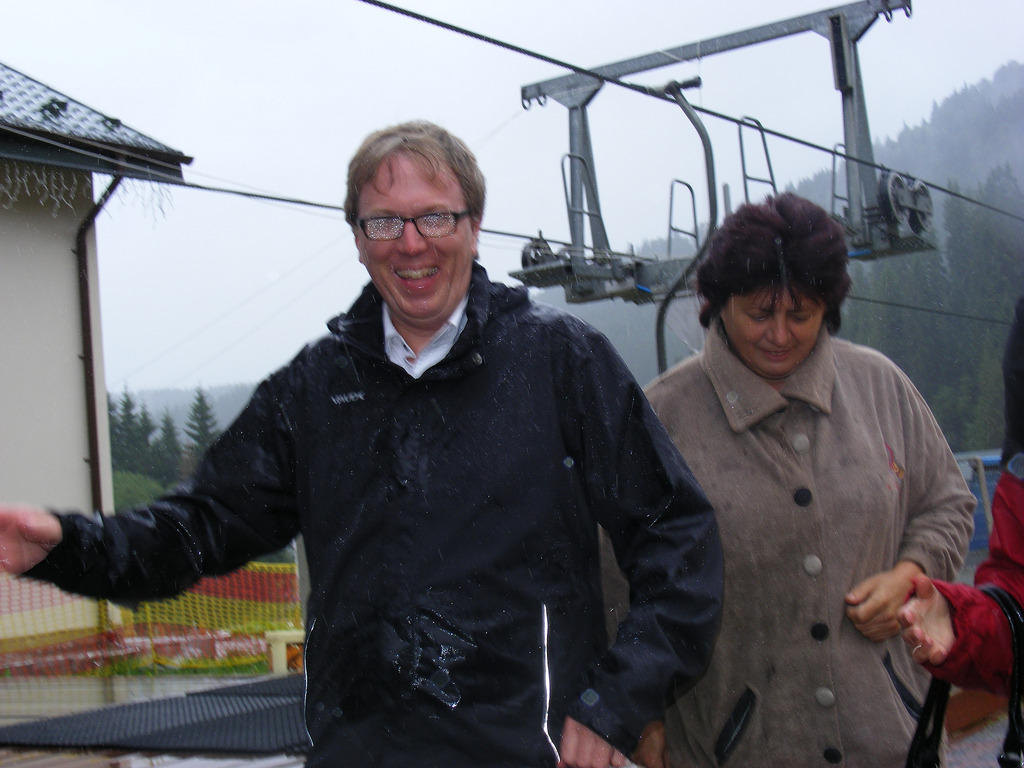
{"x": 450, "y": 525}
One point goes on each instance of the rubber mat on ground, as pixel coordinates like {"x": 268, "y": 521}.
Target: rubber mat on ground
{"x": 264, "y": 717}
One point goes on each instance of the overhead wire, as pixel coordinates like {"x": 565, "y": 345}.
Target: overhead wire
{"x": 268, "y": 317}
{"x": 940, "y": 312}
{"x": 146, "y": 174}
{"x": 302, "y": 293}
{"x": 141, "y": 165}
{"x": 143, "y": 170}
{"x": 661, "y": 94}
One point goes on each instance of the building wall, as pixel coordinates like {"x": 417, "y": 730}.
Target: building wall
{"x": 44, "y": 442}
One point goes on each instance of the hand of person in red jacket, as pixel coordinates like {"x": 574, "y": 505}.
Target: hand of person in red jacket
{"x": 926, "y": 624}
{"x": 27, "y": 534}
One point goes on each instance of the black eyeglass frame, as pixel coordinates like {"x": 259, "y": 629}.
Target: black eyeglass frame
{"x": 455, "y": 216}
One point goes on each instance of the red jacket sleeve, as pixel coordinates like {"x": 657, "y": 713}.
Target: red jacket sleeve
{"x": 982, "y": 656}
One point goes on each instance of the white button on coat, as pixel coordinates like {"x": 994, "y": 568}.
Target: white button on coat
{"x": 825, "y": 697}
{"x": 812, "y": 565}
{"x": 800, "y": 442}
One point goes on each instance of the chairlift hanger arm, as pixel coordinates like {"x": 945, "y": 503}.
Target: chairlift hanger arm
{"x": 675, "y": 90}
{"x": 859, "y": 17}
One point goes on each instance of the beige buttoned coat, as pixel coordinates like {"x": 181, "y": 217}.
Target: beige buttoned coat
{"x": 831, "y": 480}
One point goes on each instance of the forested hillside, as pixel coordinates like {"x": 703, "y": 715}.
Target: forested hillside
{"x": 975, "y": 130}
{"x": 952, "y": 346}
{"x": 943, "y": 316}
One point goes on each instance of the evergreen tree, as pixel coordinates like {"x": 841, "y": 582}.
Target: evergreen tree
{"x": 201, "y": 425}
{"x": 986, "y": 272}
{"x": 166, "y": 452}
{"x": 117, "y": 458}
{"x": 952, "y": 358}
{"x": 142, "y": 443}
{"x": 130, "y": 432}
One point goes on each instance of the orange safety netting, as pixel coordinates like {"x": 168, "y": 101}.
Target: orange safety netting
{"x": 220, "y": 624}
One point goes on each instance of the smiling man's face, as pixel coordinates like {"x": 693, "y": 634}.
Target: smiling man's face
{"x": 422, "y": 279}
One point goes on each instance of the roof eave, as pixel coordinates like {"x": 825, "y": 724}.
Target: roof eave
{"x": 92, "y": 156}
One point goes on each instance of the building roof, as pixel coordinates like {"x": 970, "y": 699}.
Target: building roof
{"x": 39, "y": 124}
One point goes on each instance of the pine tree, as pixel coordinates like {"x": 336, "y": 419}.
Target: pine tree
{"x": 142, "y": 442}
{"x": 166, "y": 452}
{"x": 986, "y": 275}
{"x": 130, "y": 432}
{"x": 201, "y": 425}
{"x": 951, "y": 356}
{"x": 116, "y": 435}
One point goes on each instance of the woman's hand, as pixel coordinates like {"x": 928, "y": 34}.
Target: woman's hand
{"x": 650, "y": 752}
{"x": 582, "y": 748}
{"x": 926, "y": 623}
{"x": 873, "y": 604}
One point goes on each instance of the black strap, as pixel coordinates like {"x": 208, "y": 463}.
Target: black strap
{"x": 927, "y": 741}
{"x": 1012, "y": 755}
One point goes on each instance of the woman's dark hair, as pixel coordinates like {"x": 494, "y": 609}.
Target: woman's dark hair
{"x": 785, "y": 244}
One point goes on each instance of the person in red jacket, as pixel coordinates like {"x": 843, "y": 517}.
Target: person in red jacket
{"x": 957, "y": 632}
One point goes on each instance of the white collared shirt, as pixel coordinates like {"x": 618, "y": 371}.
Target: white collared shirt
{"x": 400, "y": 353}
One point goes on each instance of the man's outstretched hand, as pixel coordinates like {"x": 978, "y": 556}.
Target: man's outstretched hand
{"x": 27, "y": 534}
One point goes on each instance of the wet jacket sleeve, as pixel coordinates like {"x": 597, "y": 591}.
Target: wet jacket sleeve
{"x": 982, "y": 656}
{"x": 238, "y": 505}
{"x": 666, "y": 542}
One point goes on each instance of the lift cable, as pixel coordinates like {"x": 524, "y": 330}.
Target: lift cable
{"x": 263, "y": 196}
{"x": 148, "y": 173}
{"x": 940, "y": 312}
{"x": 266, "y": 197}
{"x": 659, "y": 93}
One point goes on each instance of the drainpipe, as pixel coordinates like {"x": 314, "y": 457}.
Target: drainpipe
{"x": 88, "y": 355}
{"x": 92, "y": 418}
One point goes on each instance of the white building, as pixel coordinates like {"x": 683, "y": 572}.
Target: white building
{"x": 60, "y": 161}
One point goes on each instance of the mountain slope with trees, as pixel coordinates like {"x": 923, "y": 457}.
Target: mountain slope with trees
{"x": 943, "y": 315}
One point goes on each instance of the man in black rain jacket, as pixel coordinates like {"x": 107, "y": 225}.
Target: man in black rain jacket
{"x": 447, "y": 453}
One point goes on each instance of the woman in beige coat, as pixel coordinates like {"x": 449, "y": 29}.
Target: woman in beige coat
{"x": 833, "y": 487}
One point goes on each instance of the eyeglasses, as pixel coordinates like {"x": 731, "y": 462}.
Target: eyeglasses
{"x": 428, "y": 225}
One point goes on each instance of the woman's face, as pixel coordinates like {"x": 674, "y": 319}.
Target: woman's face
{"x": 771, "y": 333}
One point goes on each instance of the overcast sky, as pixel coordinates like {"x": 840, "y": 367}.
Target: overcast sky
{"x": 200, "y": 288}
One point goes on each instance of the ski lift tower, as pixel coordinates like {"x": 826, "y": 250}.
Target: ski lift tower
{"x": 881, "y": 215}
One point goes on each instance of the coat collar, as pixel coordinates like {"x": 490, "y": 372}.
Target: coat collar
{"x": 747, "y": 399}
{"x": 363, "y": 326}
